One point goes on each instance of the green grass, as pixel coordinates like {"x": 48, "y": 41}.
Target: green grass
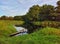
{"x": 46, "y": 35}
{"x": 6, "y": 27}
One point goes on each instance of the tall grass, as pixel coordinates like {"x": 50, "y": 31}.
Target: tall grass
{"x": 43, "y": 36}
{"x": 6, "y": 27}
{"x": 46, "y": 35}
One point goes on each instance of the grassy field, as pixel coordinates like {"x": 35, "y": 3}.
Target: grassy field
{"x": 6, "y": 27}
{"x": 46, "y": 35}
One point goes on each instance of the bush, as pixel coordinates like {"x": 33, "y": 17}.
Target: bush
{"x": 50, "y": 24}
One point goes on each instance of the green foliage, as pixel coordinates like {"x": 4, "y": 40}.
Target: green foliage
{"x": 43, "y": 36}
{"x": 47, "y": 9}
{"x": 45, "y": 12}
{"x": 33, "y": 13}
{"x": 41, "y": 13}
{"x": 6, "y": 27}
{"x": 48, "y": 24}
{"x": 50, "y": 31}
{"x": 18, "y": 18}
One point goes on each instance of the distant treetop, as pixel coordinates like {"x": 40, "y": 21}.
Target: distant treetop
{"x": 58, "y": 3}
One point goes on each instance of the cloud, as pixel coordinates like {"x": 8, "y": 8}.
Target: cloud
{"x": 10, "y": 10}
{"x": 20, "y": 7}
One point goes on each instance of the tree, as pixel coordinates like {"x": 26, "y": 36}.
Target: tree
{"x": 56, "y": 15}
{"x": 33, "y": 13}
{"x": 46, "y": 11}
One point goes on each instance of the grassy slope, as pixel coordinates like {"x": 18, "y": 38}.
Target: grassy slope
{"x": 6, "y": 27}
{"x": 43, "y": 36}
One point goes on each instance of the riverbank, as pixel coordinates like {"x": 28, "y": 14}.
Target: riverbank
{"x": 44, "y": 35}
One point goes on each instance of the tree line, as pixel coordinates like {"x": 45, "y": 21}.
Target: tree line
{"x": 37, "y": 13}
{"x": 10, "y": 18}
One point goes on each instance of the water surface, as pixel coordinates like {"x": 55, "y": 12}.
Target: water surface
{"x": 21, "y": 29}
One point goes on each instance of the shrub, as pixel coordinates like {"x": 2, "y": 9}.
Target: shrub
{"x": 50, "y": 24}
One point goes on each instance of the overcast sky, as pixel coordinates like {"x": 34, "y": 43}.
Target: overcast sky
{"x": 20, "y": 7}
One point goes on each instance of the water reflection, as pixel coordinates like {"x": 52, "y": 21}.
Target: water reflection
{"x": 22, "y": 30}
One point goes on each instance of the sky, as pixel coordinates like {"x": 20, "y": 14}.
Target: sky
{"x": 20, "y": 7}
